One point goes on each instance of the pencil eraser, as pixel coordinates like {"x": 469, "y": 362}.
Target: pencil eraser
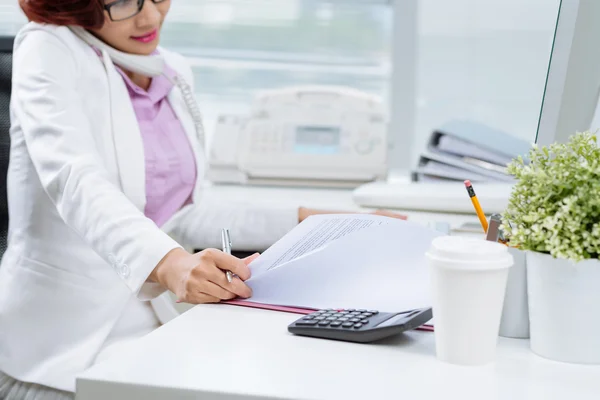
{"x": 467, "y": 183}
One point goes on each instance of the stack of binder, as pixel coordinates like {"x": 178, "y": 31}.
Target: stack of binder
{"x": 461, "y": 150}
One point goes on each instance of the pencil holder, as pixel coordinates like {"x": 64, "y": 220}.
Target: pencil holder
{"x": 515, "y": 313}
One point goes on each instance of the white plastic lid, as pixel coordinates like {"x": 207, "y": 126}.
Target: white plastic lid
{"x": 469, "y": 253}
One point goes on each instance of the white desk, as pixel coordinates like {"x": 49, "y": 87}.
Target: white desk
{"x": 191, "y": 355}
{"x": 227, "y": 352}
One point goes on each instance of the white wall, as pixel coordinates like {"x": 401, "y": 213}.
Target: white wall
{"x": 484, "y": 60}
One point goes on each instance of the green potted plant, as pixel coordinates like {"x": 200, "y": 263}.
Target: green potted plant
{"x": 554, "y": 215}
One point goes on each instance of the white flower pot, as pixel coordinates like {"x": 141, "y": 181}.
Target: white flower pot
{"x": 564, "y": 308}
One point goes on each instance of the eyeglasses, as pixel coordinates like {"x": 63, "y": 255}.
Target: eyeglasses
{"x": 123, "y": 9}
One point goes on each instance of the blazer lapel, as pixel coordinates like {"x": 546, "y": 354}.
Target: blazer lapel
{"x": 129, "y": 147}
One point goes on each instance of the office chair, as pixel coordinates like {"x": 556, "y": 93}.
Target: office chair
{"x": 6, "y": 48}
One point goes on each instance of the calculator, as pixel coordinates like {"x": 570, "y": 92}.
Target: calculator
{"x": 361, "y": 326}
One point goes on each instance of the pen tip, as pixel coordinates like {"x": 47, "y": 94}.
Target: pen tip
{"x": 467, "y": 183}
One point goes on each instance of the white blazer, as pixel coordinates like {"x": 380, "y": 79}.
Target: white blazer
{"x": 79, "y": 243}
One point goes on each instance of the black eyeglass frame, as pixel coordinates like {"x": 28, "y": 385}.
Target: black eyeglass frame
{"x": 107, "y": 7}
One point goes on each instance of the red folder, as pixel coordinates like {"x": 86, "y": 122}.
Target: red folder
{"x": 294, "y": 310}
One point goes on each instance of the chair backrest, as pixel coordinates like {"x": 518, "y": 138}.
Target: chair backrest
{"x": 6, "y": 48}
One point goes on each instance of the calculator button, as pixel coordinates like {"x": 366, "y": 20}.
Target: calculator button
{"x": 335, "y": 323}
{"x": 307, "y": 323}
{"x": 351, "y": 310}
{"x": 361, "y": 311}
{"x": 367, "y": 315}
{"x": 354, "y": 320}
{"x": 347, "y": 325}
{"x": 364, "y": 321}
{"x": 324, "y": 323}
{"x": 319, "y": 318}
{"x": 343, "y": 319}
{"x": 343, "y": 312}
{"x": 363, "y": 317}
{"x": 374, "y": 312}
{"x": 308, "y": 318}
{"x": 358, "y": 326}
{"x": 331, "y": 318}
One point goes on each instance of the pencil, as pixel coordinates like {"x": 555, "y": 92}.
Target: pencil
{"x": 477, "y": 206}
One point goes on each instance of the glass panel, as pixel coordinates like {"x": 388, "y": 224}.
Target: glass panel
{"x": 239, "y": 47}
{"x": 485, "y": 61}
{"x": 11, "y": 17}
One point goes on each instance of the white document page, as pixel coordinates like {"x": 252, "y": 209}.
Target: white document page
{"x": 380, "y": 267}
{"x": 312, "y": 234}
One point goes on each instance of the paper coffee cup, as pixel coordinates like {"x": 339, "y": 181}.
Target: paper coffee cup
{"x": 468, "y": 278}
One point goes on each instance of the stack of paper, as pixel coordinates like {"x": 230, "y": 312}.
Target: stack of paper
{"x": 462, "y": 150}
{"x": 346, "y": 261}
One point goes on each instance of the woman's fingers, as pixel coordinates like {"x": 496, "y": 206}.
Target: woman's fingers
{"x": 205, "y": 291}
{"x": 248, "y": 260}
{"x": 227, "y": 262}
{"x": 201, "y": 298}
{"x": 214, "y": 290}
{"x": 390, "y": 214}
{"x": 240, "y": 288}
{"x": 218, "y": 277}
{"x": 207, "y": 281}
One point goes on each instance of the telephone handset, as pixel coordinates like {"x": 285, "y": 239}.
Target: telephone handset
{"x": 317, "y": 135}
{"x": 145, "y": 65}
{"x": 151, "y": 66}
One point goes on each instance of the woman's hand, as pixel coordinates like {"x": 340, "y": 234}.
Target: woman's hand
{"x": 200, "y": 278}
{"x": 390, "y": 214}
{"x": 304, "y": 213}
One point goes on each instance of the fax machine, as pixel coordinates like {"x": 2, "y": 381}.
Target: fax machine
{"x": 310, "y": 135}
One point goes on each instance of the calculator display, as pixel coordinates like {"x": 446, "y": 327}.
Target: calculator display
{"x": 393, "y": 320}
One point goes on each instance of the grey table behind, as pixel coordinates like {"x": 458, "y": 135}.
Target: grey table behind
{"x": 237, "y": 253}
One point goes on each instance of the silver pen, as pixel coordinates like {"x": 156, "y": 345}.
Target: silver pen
{"x": 226, "y": 243}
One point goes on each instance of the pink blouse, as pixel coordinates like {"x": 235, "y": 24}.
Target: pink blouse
{"x": 170, "y": 163}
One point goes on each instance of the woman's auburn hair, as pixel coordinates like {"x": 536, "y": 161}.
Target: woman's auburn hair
{"x": 88, "y": 14}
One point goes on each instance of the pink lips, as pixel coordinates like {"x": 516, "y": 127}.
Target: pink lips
{"x": 146, "y": 38}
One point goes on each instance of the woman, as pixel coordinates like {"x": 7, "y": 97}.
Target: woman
{"x": 105, "y": 193}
